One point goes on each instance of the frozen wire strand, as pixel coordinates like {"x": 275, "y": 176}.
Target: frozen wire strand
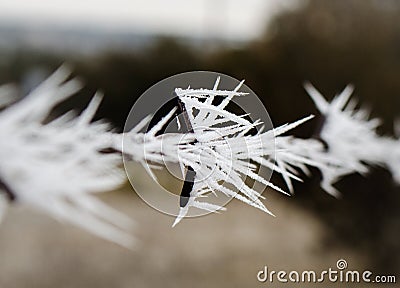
{"x": 151, "y": 145}
{"x": 207, "y": 116}
{"x": 342, "y": 122}
{"x": 208, "y": 113}
{"x": 65, "y": 149}
{"x": 290, "y": 156}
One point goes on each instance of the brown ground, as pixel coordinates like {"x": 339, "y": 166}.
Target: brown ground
{"x": 218, "y": 250}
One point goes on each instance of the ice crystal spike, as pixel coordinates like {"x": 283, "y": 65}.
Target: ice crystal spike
{"x": 57, "y": 166}
{"x": 345, "y": 130}
{"x": 227, "y": 151}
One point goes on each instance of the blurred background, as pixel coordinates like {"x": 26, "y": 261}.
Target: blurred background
{"x": 123, "y": 47}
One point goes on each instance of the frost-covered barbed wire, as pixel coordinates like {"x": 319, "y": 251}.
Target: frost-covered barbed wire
{"x": 347, "y": 142}
{"x": 336, "y": 152}
{"x": 219, "y": 151}
{"x": 352, "y": 142}
{"x": 57, "y": 166}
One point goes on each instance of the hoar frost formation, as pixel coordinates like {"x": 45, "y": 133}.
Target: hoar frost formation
{"x": 58, "y": 166}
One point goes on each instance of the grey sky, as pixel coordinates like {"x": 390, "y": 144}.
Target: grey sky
{"x": 239, "y": 19}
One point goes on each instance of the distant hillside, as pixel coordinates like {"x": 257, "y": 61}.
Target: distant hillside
{"x": 69, "y": 40}
{"x": 66, "y": 40}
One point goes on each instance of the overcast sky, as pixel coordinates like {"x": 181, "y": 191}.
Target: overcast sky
{"x": 238, "y": 19}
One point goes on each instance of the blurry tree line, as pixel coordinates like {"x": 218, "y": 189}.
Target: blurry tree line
{"x": 329, "y": 43}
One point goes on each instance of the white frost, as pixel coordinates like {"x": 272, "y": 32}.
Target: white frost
{"x": 57, "y": 166}
{"x": 220, "y": 150}
{"x": 351, "y": 137}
